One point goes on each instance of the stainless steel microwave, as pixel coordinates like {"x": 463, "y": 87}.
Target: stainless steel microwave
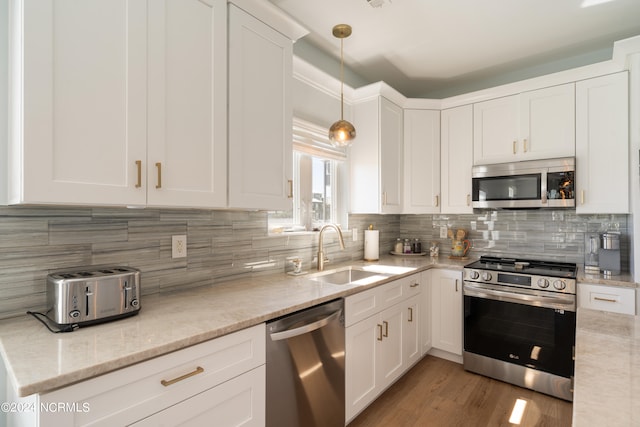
{"x": 528, "y": 184}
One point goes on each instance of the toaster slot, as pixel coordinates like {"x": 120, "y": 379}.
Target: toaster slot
{"x": 87, "y": 294}
{"x": 126, "y": 288}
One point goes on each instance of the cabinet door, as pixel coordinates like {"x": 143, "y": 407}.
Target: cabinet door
{"x": 362, "y": 383}
{"x": 495, "y": 130}
{"x": 186, "y": 159}
{"x": 607, "y": 298}
{"x": 602, "y": 145}
{"x": 391, "y": 348}
{"x": 391, "y": 130}
{"x": 446, "y": 288}
{"x": 411, "y": 337}
{"x": 547, "y": 123}
{"x": 238, "y": 402}
{"x": 421, "y": 161}
{"x": 260, "y": 114}
{"x": 79, "y": 100}
{"x": 456, "y": 152}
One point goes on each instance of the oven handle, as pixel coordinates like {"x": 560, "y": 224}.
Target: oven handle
{"x": 537, "y": 300}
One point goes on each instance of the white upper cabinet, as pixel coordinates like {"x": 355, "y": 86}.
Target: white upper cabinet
{"x": 187, "y": 138}
{"x": 376, "y": 157}
{"x": 78, "y": 102}
{"x": 260, "y": 114}
{"x": 116, "y": 104}
{"x": 421, "y": 161}
{"x": 602, "y": 145}
{"x": 538, "y": 124}
{"x": 456, "y": 152}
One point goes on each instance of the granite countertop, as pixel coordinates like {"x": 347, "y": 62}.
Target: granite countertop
{"x": 607, "y": 371}
{"x": 37, "y": 360}
{"x": 623, "y": 279}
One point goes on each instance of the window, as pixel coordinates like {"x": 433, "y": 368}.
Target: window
{"x": 318, "y": 175}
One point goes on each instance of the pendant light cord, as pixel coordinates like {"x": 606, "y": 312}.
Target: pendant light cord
{"x": 341, "y": 79}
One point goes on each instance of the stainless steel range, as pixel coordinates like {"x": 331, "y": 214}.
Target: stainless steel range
{"x": 520, "y": 322}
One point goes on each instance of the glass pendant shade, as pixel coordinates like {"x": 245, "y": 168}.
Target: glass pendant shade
{"x": 341, "y": 133}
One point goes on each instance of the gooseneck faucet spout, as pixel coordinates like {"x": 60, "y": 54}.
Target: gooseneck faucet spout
{"x": 320, "y": 244}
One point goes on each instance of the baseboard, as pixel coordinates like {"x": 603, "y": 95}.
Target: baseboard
{"x": 445, "y": 355}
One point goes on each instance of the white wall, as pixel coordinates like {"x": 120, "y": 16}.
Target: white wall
{"x": 4, "y": 81}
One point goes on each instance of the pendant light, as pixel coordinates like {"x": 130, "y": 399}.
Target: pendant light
{"x": 342, "y": 133}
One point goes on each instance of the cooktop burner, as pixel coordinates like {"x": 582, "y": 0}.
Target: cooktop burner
{"x": 526, "y": 266}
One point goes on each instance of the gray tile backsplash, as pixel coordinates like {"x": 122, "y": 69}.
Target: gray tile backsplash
{"x": 222, "y": 245}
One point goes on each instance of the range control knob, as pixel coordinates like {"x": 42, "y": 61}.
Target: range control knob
{"x": 134, "y": 303}
{"x": 474, "y": 274}
{"x": 543, "y": 283}
{"x": 486, "y": 276}
{"x": 559, "y": 285}
{"x": 74, "y": 314}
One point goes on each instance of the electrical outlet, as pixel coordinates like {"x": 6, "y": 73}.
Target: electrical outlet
{"x": 443, "y": 231}
{"x": 354, "y": 234}
{"x": 178, "y": 246}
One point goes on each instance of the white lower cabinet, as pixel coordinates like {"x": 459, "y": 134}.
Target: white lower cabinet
{"x": 382, "y": 346}
{"x": 425, "y": 310}
{"x": 607, "y": 298}
{"x": 446, "y": 310}
{"x": 222, "y": 380}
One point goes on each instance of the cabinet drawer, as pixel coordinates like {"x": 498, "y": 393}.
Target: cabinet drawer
{"x": 135, "y": 392}
{"x": 237, "y": 402}
{"x": 360, "y": 306}
{"x": 607, "y": 298}
{"x": 412, "y": 285}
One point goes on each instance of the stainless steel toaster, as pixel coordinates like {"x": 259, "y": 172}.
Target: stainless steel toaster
{"x": 92, "y": 294}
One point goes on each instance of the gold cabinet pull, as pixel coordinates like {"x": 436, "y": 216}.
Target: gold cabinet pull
{"x": 604, "y": 299}
{"x": 379, "y": 332}
{"x": 468, "y": 199}
{"x": 525, "y": 145}
{"x": 386, "y": 329}
{"x": 582, "y": 197}
{"x": 290, "y": 196}
{"x": 456, "y": 285}
{"x": 437, "y": 200}
{"x": 414, "y": 285}
{"x": 410, "y": 314}
{"x": 139, "y": 167}
{"x": 515, "y": 143}
{"x": 159, "y": 166}
{"x": 197, "y": 371}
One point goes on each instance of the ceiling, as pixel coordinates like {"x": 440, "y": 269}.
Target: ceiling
{"x": 439, "y": 48}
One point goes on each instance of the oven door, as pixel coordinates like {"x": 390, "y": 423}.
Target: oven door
{"x": 534, "y": 329}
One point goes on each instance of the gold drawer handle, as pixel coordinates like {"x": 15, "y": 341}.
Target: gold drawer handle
{"x": 604, "y": 299}
{"x": 386, "y": 329}
{"x": 167, "y": 383}
{"x": 514, "y": 146}
{"x": 290, "y": 195}
{"x": 139, "y": 166}
{"x": 379, "y": 332}
{"x": 410, "y": 314}
{"x": 414, "y": 285}
{"x": 159, "y": 166}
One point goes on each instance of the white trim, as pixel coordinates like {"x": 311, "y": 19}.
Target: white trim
{"x": 321, "y": 81}
{"x": 273, "y": 16}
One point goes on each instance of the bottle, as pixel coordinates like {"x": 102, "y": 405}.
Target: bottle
{"x": 407, "y": 246}
{"x": 398, "y": 248}
{"x": 416, "y": 247}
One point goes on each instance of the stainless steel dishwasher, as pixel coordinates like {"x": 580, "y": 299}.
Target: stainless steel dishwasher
{"x": 305, "y": 368}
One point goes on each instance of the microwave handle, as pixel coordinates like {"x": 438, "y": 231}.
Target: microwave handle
{"x": 543, "y": 187}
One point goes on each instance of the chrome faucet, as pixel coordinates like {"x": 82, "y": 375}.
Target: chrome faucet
{"x": 320, "y": 245}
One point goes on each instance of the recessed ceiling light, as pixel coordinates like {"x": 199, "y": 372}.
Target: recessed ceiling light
{"x": 589, "y": 3}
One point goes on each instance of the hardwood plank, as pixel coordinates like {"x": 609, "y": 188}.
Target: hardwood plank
{"x": 437, "y": 392}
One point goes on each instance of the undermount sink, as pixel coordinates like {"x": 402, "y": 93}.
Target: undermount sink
{"x": 349, "y": 276}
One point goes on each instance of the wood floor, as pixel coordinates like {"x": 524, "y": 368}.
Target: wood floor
{"x": 437, "y": 392}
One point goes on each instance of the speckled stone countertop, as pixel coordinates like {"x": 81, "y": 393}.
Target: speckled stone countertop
{"x": 607, "y": 371}
{"x": 623, "y": 279}
{"x": 37, "y": 360}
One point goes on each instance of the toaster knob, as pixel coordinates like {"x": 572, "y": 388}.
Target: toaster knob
{"x": 134, "y": 303}
{"x": 74, "y": 314}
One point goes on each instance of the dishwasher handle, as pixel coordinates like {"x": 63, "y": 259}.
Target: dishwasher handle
{"x": 301, "y": 330}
